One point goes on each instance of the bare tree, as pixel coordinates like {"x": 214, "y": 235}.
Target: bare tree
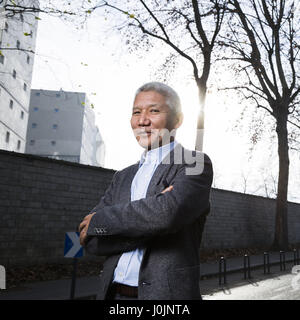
{"x": 268, "y": 183}
{"x": 245, "y": 178}
{"x": 188, "y": 28}
{"x": 14, "y": 8}
{"x": 263, "y": 40}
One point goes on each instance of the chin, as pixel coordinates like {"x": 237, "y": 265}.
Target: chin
{"x": 144, "y": 143}
{"x": 148, "y": 143}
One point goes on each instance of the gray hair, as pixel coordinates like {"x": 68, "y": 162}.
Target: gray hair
{"x": 172, "y": 98}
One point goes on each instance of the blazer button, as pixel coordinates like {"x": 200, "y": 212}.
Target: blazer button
{"x": 145, "y": 283}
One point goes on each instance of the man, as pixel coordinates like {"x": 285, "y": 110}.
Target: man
{"x": 149, "y": 222}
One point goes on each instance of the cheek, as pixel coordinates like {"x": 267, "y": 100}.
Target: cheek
{"x": 159, "y": 122}
{"x": 132, "y": 123}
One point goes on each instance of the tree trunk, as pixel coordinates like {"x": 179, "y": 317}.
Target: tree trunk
{"x": 281, "y": 225}
{"x": 200, "y": 120}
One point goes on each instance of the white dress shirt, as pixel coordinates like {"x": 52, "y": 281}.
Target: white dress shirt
{"x": 127, "y": 270}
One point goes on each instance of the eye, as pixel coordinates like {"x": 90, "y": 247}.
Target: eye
{"x": 154, "y": 110}
{"x": 135, "y": 112}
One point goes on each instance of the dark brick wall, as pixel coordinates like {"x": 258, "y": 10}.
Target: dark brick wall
{"x": 41, "y": 199}
{"x": 239, "y": 220}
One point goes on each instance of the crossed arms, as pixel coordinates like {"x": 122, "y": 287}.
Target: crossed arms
{"x": 114, "y": 228}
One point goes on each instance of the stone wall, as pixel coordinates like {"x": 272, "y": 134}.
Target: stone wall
{"x": 41, "y": 199}
{"x": 239, "y": 220}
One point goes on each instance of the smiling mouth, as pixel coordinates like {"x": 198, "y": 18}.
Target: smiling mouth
{"x": 144, "y": 133}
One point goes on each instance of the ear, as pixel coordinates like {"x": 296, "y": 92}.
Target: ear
{"x": 179, "y": 120}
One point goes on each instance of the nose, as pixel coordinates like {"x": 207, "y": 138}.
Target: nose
{"x": 143, "y": 119}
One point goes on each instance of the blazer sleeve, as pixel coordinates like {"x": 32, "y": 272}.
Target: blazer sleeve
{"x": 161, "y": 213}
{"x": 113, "y": 244}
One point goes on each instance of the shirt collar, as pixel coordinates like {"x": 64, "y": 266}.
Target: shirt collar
{"x": 156, "y": 155}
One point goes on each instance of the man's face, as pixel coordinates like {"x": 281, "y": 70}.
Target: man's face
{"x": 152, "y": 119}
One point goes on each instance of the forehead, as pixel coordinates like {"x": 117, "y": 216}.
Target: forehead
{"x": 149, "y": 98}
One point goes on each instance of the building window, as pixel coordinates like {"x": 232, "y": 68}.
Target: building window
{"x": 2, "y": 58}
{"x": 11, "y": 104}
{"x": 14, "y": 74}
{"x": 18, "y": 44}
{"x": 53, "y": 142}
{"x": 6, "y": 27}
{"x": 34, "y": 125}
{"x": 21, "y": 17}
{"x": 25, "y": 86}
{"x": 58, "y": 95}
{"x": 28, "y": 59}
{"x": 32, "y": 142}
{"x": 35, "y": 109}
{"x": 54, "y": 126}
{"x": 37, "y": 94}
{"x": 22, "y": 114}
{"x": 19, "y": 145}
{"x": 7, "y": 137}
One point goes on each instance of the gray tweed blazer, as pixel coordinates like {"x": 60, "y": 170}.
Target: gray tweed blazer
{"x": 169, "y": 226}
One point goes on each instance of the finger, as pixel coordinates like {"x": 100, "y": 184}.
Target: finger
{"x": 167, "y": 189}
{"x": 85, "y": 221}
{"x": 82, "y": 237}
{"x": 82, "y": 225}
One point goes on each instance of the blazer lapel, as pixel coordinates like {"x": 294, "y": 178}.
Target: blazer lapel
{"x": 166, "y": 164}
{"x": 125, "y": 191}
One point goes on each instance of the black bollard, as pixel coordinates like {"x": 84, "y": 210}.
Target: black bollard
{"x": 222, "y": 270}
{"x": 282, "y": 260}
{"x": 247, "y": 273}
{"x": 296, "y": 257}
{"x": 266, "y": 263}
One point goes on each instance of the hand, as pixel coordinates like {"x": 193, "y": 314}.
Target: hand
{"x": 169, "y": 188}
{"x": 83, "y": 227}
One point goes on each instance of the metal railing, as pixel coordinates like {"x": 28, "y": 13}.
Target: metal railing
{"x": 222, "y": 274}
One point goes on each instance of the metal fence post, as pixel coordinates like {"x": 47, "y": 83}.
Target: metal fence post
{"x": 282, "y": 260}
{"x": 296, "y": 257}
{"x": 222, "y": 270}
{"x": 247, "y": 273}
{"x": 266, "y": 263}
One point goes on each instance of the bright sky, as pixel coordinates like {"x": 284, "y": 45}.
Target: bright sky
{"x": 89, "y": 61}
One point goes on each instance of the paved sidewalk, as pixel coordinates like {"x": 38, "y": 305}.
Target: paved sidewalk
{"x": 52, "y": 290}
{"x": 86, "y": 287}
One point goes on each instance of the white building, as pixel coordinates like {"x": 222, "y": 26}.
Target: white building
{"x": 17, "y": 44}
{"x": 62, "y": 126}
